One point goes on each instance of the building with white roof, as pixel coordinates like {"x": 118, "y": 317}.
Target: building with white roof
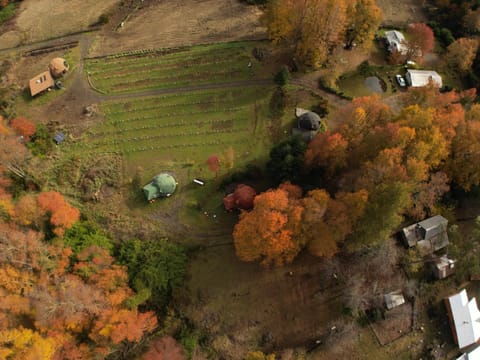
{"x": 464, "y": 319}
{"x": 418, "y": 78}
{"x": 472, "y": 355}
{"x": 395, "y": 42}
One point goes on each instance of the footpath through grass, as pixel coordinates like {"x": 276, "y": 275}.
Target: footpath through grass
{"x": 198, "y": 65}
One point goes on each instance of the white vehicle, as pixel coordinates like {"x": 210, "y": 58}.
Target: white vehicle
{"x": 400, "y": 80}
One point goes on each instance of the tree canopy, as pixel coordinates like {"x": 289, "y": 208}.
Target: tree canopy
{"x": 314, "y": 27}
{"x": 379, "y": 166}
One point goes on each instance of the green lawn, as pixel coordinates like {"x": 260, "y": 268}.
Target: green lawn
{"x": 353, "y": 84}
{"x": 198, "y": 65}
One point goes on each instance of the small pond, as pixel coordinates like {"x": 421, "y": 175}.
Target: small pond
{"x": 375, "y": 84}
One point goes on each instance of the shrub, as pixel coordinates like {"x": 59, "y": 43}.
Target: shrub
{"x": 103, "y": 19}
{"x": 85, "y": 234}
{"x": 365, "y": 69}
{"x": 446, "y": 37}
{"x": 282, "y": 77}
{"x": 286, "y": 160}
{"x": 41, "y": 142}
{"x": 322, "y": 108}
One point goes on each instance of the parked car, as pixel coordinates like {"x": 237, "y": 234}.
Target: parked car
{"x": 400, "y": 80}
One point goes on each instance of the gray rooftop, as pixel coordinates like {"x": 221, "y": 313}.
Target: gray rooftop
{"x": 429, "y": 234}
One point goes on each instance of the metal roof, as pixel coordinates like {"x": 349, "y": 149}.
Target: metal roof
{"x": 466, "y": 318}
{"x": 394, "y": 299}
{"x": 59, "y": 137}
{"x": 418, "y": 78}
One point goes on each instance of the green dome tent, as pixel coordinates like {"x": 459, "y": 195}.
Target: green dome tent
{"x": 162, "y": 185}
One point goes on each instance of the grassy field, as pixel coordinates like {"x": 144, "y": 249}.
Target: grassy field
{"x": 198, "y": 65}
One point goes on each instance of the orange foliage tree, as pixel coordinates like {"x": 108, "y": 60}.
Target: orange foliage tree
{"x": 327, "y": 221}
{"x": 23, "y": 127}
{"x": 62, "y": 214}
{"x": 267, "y": 233}
{"x": 461, "y": 54}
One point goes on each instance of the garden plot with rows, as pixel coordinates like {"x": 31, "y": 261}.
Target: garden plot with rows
{"x": 174, "y": 68}
{"x": 183, "y": 128}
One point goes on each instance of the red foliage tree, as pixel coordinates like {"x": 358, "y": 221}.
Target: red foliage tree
{"x": 420, "y": 42}
{"x": 23, "y": 127}
{"x": 213, "y": 163}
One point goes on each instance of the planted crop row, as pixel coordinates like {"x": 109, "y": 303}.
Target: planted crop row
{"x": 101, "y": 67}
{"x": 114, "y": 141}
{"x": 174, "y": 146}
{"x": 167, "y": 115}
{"x": 122, "y": 142}
{"x": 218, "y": 48}
{"x": 160, "y": 126}
{"x": 166, "y": 76}
{"x": 167, "y": 111}
{"x": 178, "y": 57}
{"x": 161, "y": 107}
{"x": 178, "y": 68}
{"x": 146, "y": 84}
{"x": 142, "y": 102}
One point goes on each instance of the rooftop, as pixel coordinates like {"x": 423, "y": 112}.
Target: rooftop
{"x": 394, "y": 299}
{"x": 396, "y": 41}
{"x": 465, "y": 319}
{"x": 472, "y": 355}
{"x": 41, "y": 82}
{"x": 418, "y": 78}
{"x": 162, "y": 185}
{"x": 430, "y": 234}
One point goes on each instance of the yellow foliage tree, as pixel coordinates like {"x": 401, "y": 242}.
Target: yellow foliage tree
{"x": 25, "y": 344}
